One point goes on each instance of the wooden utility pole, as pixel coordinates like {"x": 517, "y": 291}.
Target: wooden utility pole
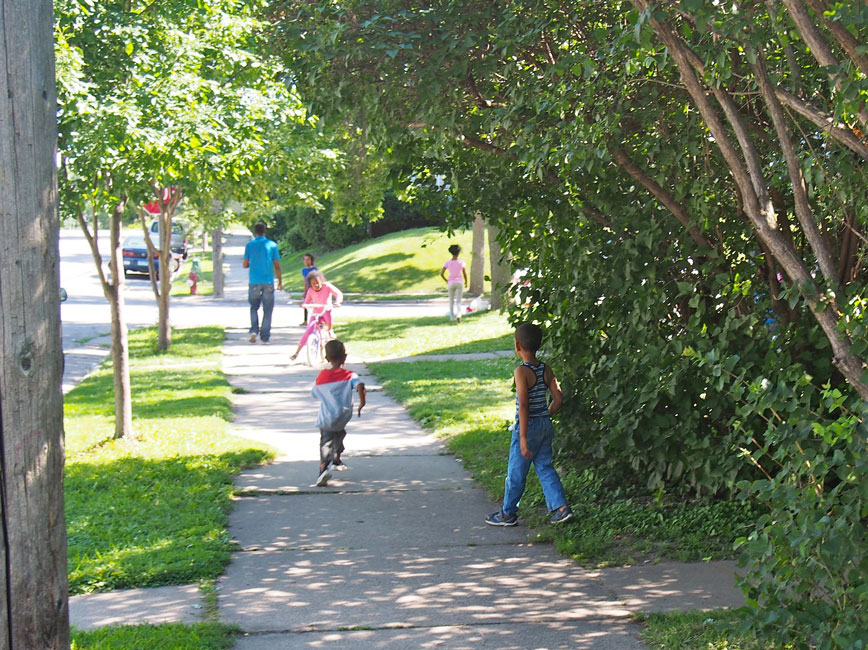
{"x": 34, "y": 611}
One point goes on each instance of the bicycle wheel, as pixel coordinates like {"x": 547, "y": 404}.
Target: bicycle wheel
{"x": 313, "y": 348}
{"x": 323, "y": 339}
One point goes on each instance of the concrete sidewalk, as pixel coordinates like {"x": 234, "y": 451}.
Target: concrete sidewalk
{"x": 394, "y": 553}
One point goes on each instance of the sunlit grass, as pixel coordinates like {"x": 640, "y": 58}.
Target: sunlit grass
{"x": 398, "y": 337}
{"x": 152, "y": 510}
{"x": 403, "y": 262}
{"x": 171, "y": 636}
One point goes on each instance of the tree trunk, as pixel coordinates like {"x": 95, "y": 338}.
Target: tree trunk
{"x": 164, "y": 329}
{"x": 217, "y": 257}
{"x": 34, "y": 611}
{"x": 120, "y": 340}
{"x": 168, "y": 199}
{"x": 113, "y": 292}
{"x": 477, "y": 257}
{"x": 501, "y": 275}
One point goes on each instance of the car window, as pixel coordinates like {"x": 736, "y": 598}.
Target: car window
{"x": 176, "y": 227}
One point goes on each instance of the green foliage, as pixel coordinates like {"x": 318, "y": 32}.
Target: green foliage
{"x": 153, "y": 510}
{"x": 171, "y": 636}
{"x": 808, "y": 557}
{"x": 301, "y": 228}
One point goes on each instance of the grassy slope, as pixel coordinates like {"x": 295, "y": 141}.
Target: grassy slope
{"x": 403, "y": 262}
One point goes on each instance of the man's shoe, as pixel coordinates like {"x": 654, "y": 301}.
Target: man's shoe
{"x": 265, "y": 341}
{"x": 323, "y": 479}
{"x": 560, "y": 516}
{"x": 501, "y": 519}
{"x": 252, "y": 338}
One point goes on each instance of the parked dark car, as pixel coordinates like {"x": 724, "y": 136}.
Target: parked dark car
{"x": 135, "y": 254}
{"x": 179, "y": 237}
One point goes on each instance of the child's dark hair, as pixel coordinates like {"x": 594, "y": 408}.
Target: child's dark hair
{"x": 310, "y": 255}
{"x": 335, "y": 351}
{"x": 529, "y": 336}
{"x": 455, "y": 249}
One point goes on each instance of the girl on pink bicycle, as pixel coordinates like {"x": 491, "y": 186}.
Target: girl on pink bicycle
{"x": 318, "y": 300}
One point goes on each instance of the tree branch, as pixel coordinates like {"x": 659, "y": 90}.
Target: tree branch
{"x": 839, "y": 132}
{"x": 846, "y": 40}
{"x": 804, "y": 213}
{"x": 677, "y": 209}
{"x": 820, "y": 50}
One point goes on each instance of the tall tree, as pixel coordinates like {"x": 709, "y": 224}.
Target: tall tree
{"x": 33, "y": 599}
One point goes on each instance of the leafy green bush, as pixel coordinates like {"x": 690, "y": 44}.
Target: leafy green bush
{"x": 807, "y": 560}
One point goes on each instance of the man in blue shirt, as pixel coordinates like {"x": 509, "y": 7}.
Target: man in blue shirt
{"x": 261, "y": 257}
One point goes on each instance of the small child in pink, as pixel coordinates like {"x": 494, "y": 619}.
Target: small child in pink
{"x": 456, "y": 282}
{"x": 318, "y": 298}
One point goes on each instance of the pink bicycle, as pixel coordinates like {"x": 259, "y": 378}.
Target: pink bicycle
{"x": 316, "y": 341}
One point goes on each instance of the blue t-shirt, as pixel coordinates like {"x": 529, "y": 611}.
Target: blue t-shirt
{"x": 304, "y": 272}
{"x": 262, "y": 254}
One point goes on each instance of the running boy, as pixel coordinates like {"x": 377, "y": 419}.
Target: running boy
{"x": 334, "y": 390}
{"x": 532, "y": 433}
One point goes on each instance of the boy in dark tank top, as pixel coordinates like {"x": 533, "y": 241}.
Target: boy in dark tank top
{"x": 532, "y": 433}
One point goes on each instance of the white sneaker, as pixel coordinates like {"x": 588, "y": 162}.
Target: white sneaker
{"x": 323, "y": 479}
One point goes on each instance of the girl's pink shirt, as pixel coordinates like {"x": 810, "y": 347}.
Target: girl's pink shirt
{"x": 455, "y": 267}
{"x": 322, "y": 297}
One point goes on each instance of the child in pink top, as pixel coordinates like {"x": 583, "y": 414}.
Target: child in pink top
{"x": 456, "y": 282}
{"x": 318, "y": 298}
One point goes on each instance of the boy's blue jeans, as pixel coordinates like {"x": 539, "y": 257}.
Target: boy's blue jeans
{"x": 540, "y": 434}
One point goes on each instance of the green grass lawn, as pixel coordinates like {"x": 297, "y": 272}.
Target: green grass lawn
{"x": 714, "y": 630}
{"x": 407, "y": 262}
{"x": 393, "y": 337}
{"x": 171, "y": 636}
{"x": 153, "y": 510}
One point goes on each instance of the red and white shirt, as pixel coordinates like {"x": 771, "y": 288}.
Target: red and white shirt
{"x": 334, "y": 390}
